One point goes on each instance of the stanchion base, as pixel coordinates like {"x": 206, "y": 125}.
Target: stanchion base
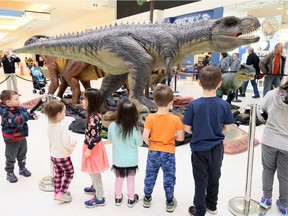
{"x": 236, "y": 207}
{"x": 46, "y": 184}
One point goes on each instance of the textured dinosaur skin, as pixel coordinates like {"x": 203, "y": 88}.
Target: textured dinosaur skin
{"x": 134, "y": 51}
{"x": 231, "y": 82}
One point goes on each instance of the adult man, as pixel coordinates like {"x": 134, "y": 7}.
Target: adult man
{"x": 273, "y": 67}
{"x": 8, "y": 62}
{"x": 252, "y": 59}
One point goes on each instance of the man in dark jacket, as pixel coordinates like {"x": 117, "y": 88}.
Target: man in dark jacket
{"x": 253, "y": 59}
{"x": 8, "y": 62}
{"x": 273, "y": 67}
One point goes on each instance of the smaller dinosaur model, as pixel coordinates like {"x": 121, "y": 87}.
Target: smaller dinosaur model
{"x": 231, "y": 82}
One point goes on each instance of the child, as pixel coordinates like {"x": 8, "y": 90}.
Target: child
{"x": 275, "y": 148}
{"x": 125, "y": 138}
{"x": 206, "y": 118}
{"x": 94, "y": 158}
{"x": 160, "y": 131}
{"x": 14, "y": 131}
{"x": 61, "y": 147}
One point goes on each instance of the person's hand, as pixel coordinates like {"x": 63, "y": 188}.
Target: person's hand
{"x": 36, "y": 117}
{"x": 87, "y": 153}
{"x": 73, "y": 143}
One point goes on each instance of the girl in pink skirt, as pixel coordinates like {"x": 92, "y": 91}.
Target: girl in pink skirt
{"x": 94, "y": 158}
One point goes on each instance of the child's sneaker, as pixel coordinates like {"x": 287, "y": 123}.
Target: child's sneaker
{"x": 283, "y": 210}
{"x": 170, "y": 207}
{"x": 131, "y": 203}
{"x": 212, "y": 210}
{"x": 192, "y": 211}
{"x": 118, "y": 201}
{"x": 89, "y": 190}
{"x": 95, "y": 202}
{"x": 265, "y": 202}
{"x": 63, "y": 197}
{"x": 11, "y": 177}
{"x": 25, "y": 172}
{"x": 147, "y": 202}
{"x": 55, "y": 194}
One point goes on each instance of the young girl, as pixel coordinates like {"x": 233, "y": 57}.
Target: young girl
{"x": 94, "y": 158}
{"x": 61, "y": 147}
{"x": 125, "y": 138}
{"x": 275, "y": 148}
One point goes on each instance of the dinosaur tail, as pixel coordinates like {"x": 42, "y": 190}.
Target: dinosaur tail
{"x": 60, "y": 47}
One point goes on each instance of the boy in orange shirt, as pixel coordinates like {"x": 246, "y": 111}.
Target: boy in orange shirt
{"x": 160, "y": 131}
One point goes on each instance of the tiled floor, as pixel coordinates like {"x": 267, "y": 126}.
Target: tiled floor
{"x": 24, "y": 197}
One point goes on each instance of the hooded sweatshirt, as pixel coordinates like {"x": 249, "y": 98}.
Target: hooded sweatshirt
{"x": 276, "y": 130}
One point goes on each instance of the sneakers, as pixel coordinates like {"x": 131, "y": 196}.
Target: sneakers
{"x": 95, "y": 202}
{"x": 170, "y": 207}
{"x": 256, "y": 96}
{"x": 25, "y": 172}
{"x": 192, "y": 211}
{"x": 55, "y": 194}
{"x": 242, "y": 95}
{"x": 11, "y": 177}
{"x": 63, "y": 197}
{"x": 131, "y": 203}
{"x": 147, "y": 202}
{"x": 265, "y": 202}
{"x": 89, "y": 190}
{"x": 212, "y": 210}
{"x": 118, "y": 201}
{"x": 283, "y": 210}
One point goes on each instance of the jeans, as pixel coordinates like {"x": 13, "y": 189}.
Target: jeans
{"x": 270, "y": 82}
{"x": 254, "y": 85}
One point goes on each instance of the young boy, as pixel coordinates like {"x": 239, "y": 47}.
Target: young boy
{"x": 207, "y": 117}
{"x": 14, "y": 131}
{"x": 160, "y": 131}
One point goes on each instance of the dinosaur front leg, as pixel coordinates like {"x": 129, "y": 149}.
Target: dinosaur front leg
{"x": 54, "y": 82}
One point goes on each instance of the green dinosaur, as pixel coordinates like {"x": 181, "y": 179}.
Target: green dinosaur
{"x": 134, "y": 51}
{"x": 231, "y": 82}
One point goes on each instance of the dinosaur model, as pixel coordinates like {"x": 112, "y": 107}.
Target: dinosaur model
{"x": 72, "y": 72}
{"x": 231, "y": 82}
{"x": 133, "y": 51}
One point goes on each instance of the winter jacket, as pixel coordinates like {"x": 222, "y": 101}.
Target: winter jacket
{"x": 9, "y": 66}
{"x": 14, "y": 123}
{"x": 267, "y": 64}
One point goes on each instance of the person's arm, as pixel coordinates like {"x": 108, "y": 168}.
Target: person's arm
{"x": 188, "y": 128}
{"x": 263, "y": 64}
{"x": 227, "y": 127}
{"x": 146, "y": 135}
{"x": 179, "y": 135}
{"x": 138, "y": 140}
{"x": 95, "y": 131}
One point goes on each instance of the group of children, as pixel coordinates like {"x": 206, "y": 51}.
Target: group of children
{"x": 161, "y": 129}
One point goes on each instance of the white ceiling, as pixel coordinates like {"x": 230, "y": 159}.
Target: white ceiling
{"x": 77, "y": 15}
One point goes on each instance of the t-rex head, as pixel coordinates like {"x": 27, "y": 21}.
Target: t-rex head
{"x": 231, "y": 32}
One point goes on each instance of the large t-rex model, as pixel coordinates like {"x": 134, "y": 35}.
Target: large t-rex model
{"x": 231, "y": 82}
{"x": 134, "y": 51}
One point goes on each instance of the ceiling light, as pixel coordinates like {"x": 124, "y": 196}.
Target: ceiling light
{"x": 11, "y": 13}
{"x": 37, "y": 15}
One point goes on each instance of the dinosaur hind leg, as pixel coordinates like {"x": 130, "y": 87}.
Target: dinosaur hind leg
{"x": 109, "y": 85}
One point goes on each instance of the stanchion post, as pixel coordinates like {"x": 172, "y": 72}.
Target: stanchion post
{"x": 244, "y": 206}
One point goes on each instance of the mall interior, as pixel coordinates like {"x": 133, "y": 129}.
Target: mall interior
{"x": 21, "y": 19}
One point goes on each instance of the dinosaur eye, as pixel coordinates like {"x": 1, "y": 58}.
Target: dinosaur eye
{"x": 231, "y": 22}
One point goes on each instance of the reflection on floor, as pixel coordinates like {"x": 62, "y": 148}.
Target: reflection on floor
{"x": 24, "y": 197}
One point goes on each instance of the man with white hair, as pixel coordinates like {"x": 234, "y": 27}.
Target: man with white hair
{"x": 8, "y": 62}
